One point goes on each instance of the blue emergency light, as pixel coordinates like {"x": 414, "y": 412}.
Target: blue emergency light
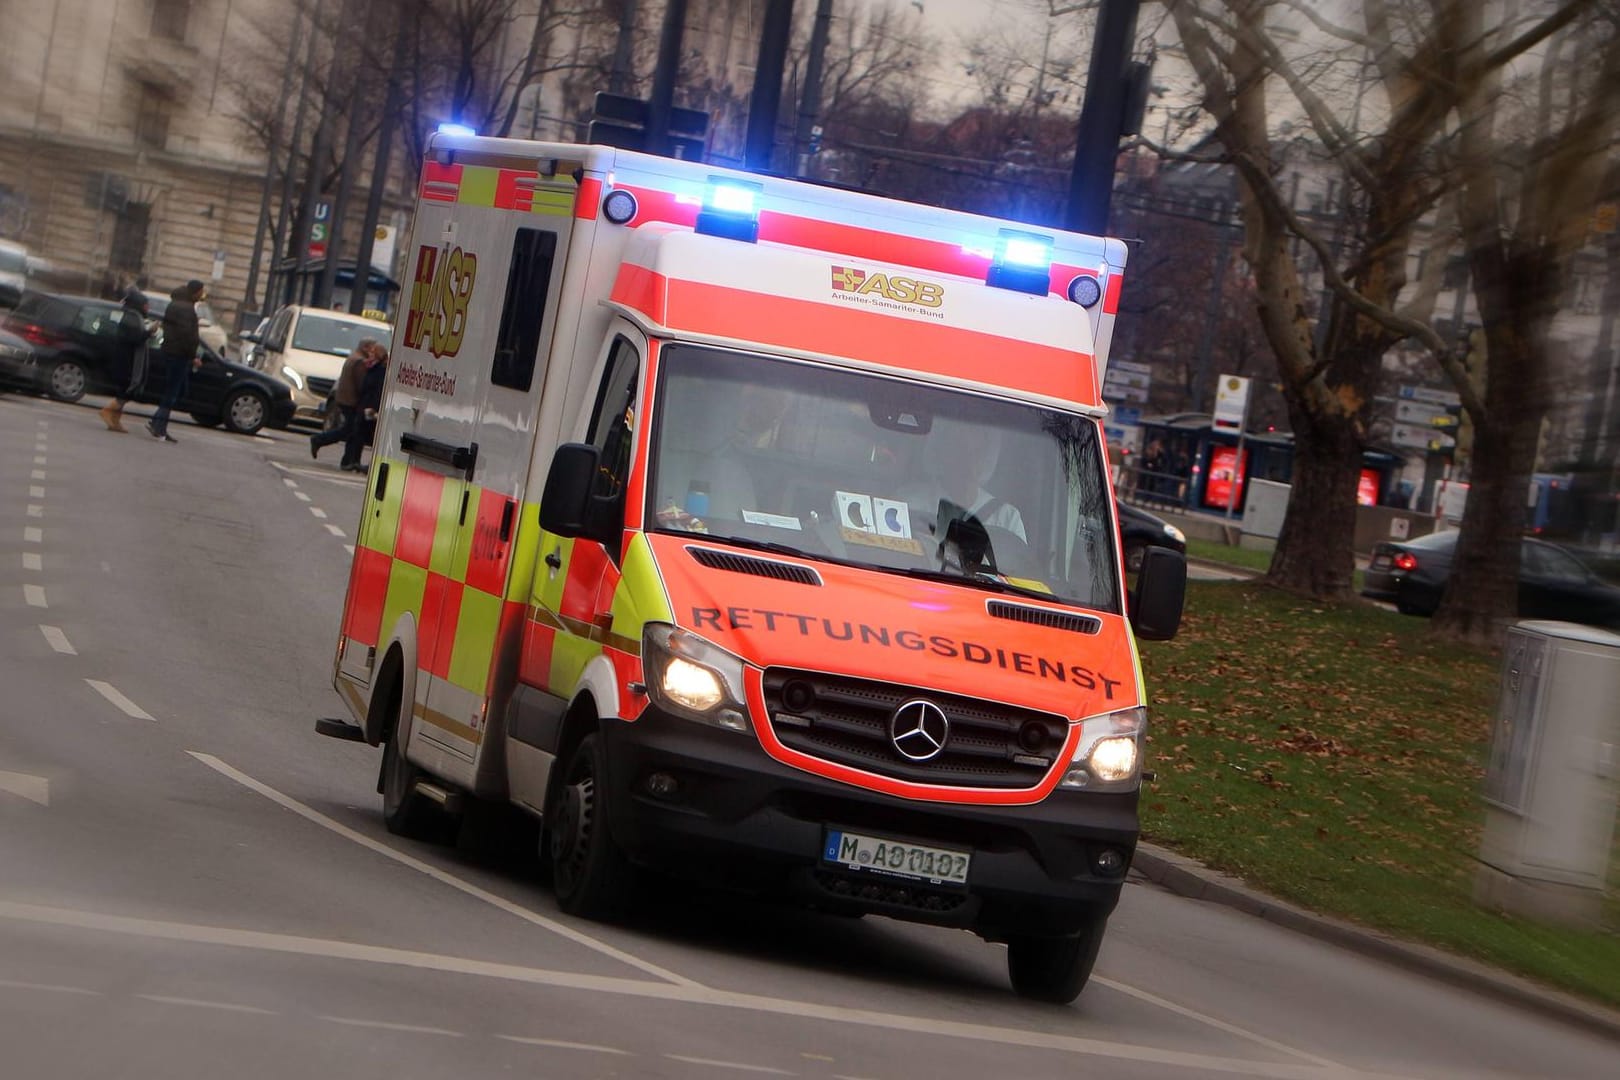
{"x": 730, "y": 210}
{"x": 1023, "y": 263}
{"x": 448, "y": 128}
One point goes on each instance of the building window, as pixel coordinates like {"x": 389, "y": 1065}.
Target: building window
{"x": 169, "y": 19}
{"x": 128, "y": 253}
{"x": 152, "y": 118}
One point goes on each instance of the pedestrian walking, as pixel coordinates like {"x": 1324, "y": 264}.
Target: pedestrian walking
{"x": 178, "y": 352}
{"x": 346, "y": 397}
{"x": 130, "y": 359}
{"x": 365, "y": 422}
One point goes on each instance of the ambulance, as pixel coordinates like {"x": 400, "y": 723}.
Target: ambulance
{"x": 757, "y": 534}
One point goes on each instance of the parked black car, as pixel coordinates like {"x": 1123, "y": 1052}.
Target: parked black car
{"x": 16, "y": 360}
{"x": 1553, "y": 583}
{"x": 1140, "y": 530}
{"x": 74, "y": 337}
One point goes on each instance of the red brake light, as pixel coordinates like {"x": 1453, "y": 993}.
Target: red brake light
{"x": 1406, "y": 561}
{"x": 33, "y": 333}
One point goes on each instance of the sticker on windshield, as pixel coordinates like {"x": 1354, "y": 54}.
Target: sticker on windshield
{"x": 855, "y": 512}
{"x": 892, "y": 517}
{"x": 775, "y": 521}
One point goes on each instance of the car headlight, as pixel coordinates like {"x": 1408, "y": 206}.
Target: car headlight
{"x": 694, "y": 678}
{"x": 292, "y": 376}
{"x": 1174, "y": 533}
{"x": 1109, "y": 757}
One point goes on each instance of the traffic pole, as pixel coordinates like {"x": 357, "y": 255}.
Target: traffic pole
{"x": 1091, "y": 184}
{"x": 664, "y": 78}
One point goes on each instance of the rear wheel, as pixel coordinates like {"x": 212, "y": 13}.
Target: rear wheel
{"x": 1053, "y": 969}
{"x": 67, "y": 380}
{"x": 245, "y": 411}
{"x": 591, "y": 876}
{"x": 404, "y": 812}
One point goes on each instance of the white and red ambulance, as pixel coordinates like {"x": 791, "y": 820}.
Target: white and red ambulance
{"x": 760, "y": 533}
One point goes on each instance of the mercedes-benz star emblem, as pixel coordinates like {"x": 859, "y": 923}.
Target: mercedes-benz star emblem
{"x": 919, "y": 729}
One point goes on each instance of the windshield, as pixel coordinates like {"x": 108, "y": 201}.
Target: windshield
{"x": 335, "y": 336}
{"x": 883, "y": 473}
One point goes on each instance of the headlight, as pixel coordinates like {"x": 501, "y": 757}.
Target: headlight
{"x": 292, "y": 376}
{"x": 692, "y": 677}
{"x": 1175, "y": 534}
{"x": 1109, "y": 757}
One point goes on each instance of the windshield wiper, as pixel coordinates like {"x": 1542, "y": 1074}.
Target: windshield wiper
{"x": 774, "y": 547}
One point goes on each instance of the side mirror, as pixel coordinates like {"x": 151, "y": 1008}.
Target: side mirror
{"x": 250, "y": 337}
{"x": 1161, "y": 592}
{"x": 569, "y": 506}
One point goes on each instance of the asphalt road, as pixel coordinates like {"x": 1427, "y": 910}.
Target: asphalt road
{"x": 194, "y": 884}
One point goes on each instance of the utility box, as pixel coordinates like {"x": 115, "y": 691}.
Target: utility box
{"x": 1551, "y": 789}
{"x": 1264, "y": 507}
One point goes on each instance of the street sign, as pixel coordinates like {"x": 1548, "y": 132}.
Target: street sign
{"x": 320, "y": 230}
{"x": 1417, "y": 412}
{"x": 1431, "y": 396}
{"x": 1131, "y": 366}
{"x": 1231, "y": 404}
{"x": 1127, "y": 414}
{"x": 1414, "y": 437}
{"x": 1126, "y": 393}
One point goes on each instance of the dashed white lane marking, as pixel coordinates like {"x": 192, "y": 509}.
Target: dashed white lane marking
{"x": 33, "y": 534}
{"x": 39, "y": 459}
{"x": 317, "y": 511}
{"x": 50, "y": 988}
{"x": 349, "y": 548}
{"x": 32, "y": 561}
{"x": 329, "y": 950}
{"x": 300, "y": 496}
{"x": 36, "y": 789}
{"x": 710, "y": 1063}
{"x": 441, "y": 876}
{"x": 289, "y": 481}
{"x": 36, "y": 492}
{"x": 58, "y": 640}
{"x": 40, "y": 448}
{"x": 122, "y": 703}
{"x": 37, "y": 474}
{"x": 562, "y": 1044}
{"x": 35, "y": 510}
{"x": 386, "y": 1026}
{"x": 1205, "y": 1018}
{"x": 35, "y": 595}
{"x": 194, "y": 1003}
{"x": 335, "y": 530}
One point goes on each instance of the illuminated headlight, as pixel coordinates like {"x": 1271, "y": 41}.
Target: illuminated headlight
{"x": 1175, "y": 534}
{"x": 1109, "y": 757}
{"x": 692, "y": 677}
{"x": 292, "y": 376}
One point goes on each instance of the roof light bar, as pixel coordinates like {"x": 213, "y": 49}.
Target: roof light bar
{"x": 1023, "y": 263}
{"x": 449, "y": 128}
{"x": 730, "y": 209}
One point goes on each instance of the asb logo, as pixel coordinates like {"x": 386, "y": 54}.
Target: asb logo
{"x": 903, "y": 290}
{"x": 439, "y": 294}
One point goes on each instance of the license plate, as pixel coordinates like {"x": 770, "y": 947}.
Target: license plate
{"x": 895, "y": 858}
{"x": 1380, "y": 562}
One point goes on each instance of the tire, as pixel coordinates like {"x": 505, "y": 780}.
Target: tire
{"x": 1053, "y": 969}
{"x": 67, "y": 380}
{"x": 591, "y": 876}
{"x": 404, "y": 812}
{"x": 206, "y": 419}
{"x": 245, "y": 411}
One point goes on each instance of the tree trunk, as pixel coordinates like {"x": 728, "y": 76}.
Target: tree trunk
{"x": 1314, "y": 556}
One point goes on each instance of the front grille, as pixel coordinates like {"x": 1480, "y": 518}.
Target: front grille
{"x": 846, "y": 721}
{"x": 875, "y": 890}
{"x": 320, "y": 387}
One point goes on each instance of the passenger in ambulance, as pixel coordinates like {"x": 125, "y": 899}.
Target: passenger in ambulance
{"x": 960, "y": 457}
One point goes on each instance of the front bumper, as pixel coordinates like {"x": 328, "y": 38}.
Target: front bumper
{"x": 737, "y": 817}
{"x": 21, "y": 371}
{"x": 281, "y": 413}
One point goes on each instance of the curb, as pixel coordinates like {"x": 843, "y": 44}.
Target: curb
{"x": 1192, "y": 879}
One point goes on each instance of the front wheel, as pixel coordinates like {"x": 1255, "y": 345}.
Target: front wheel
{"x": 1053, "y": 969}
{"x": 245, "y": 411}
{"x": 591, "y": 876}
{"x": 67, "y": 380}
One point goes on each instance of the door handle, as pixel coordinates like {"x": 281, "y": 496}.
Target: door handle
{"x": 553, "y": 559}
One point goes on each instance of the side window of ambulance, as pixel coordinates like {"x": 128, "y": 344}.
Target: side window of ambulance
{"x": 524, "y": 310}
{"x": 613, "y": 420}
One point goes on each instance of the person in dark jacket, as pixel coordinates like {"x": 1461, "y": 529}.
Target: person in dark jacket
{"x": 130, "y": 359}
{"x": 346, "y": 396}
{"x": 178, "y": 352}
{"x": 365, "y": 419}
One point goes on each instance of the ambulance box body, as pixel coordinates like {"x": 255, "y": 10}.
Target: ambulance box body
{"x": 757, "y": 533}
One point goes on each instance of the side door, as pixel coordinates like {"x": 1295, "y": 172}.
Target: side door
{"x": 274, "y": 346}
{"x": 577, "y": 577}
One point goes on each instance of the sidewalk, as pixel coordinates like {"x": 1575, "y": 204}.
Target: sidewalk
{"x": 1187, "y": 877}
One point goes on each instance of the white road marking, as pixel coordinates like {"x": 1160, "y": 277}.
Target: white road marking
{"x": 386, "y": 1026}
{"x": 349, "y": 548}
{"x": 1204, "y": 1018}
{"x": 33, "y": 534}
{"x": 317, "y": 511}
{"x": 39, "y": 459}
{"x": 52, "y": 988}
{"x": 35, "y": 510}
{"x": 561, "y": 1044}
{"x": 35, "y": 595}
{"x": 196, "y": 1004}
{"x": 124, "y": 705}
{"x": 37, "y": 474}
{"x": 39, "y": 448}
{"x": 561, "y": 929}
{"x": 32, "y": 561}
{"x": 289, "y": 481}
{"x": 36, "y": 789}
{"x": 329, "y": 950}
{"x": 36, "y": 492}
{"x": 58, "y": 640}
{"x": 335, "y": 530}
{"x": 712, "y": 1064}
{"x": 300, "y": 496}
